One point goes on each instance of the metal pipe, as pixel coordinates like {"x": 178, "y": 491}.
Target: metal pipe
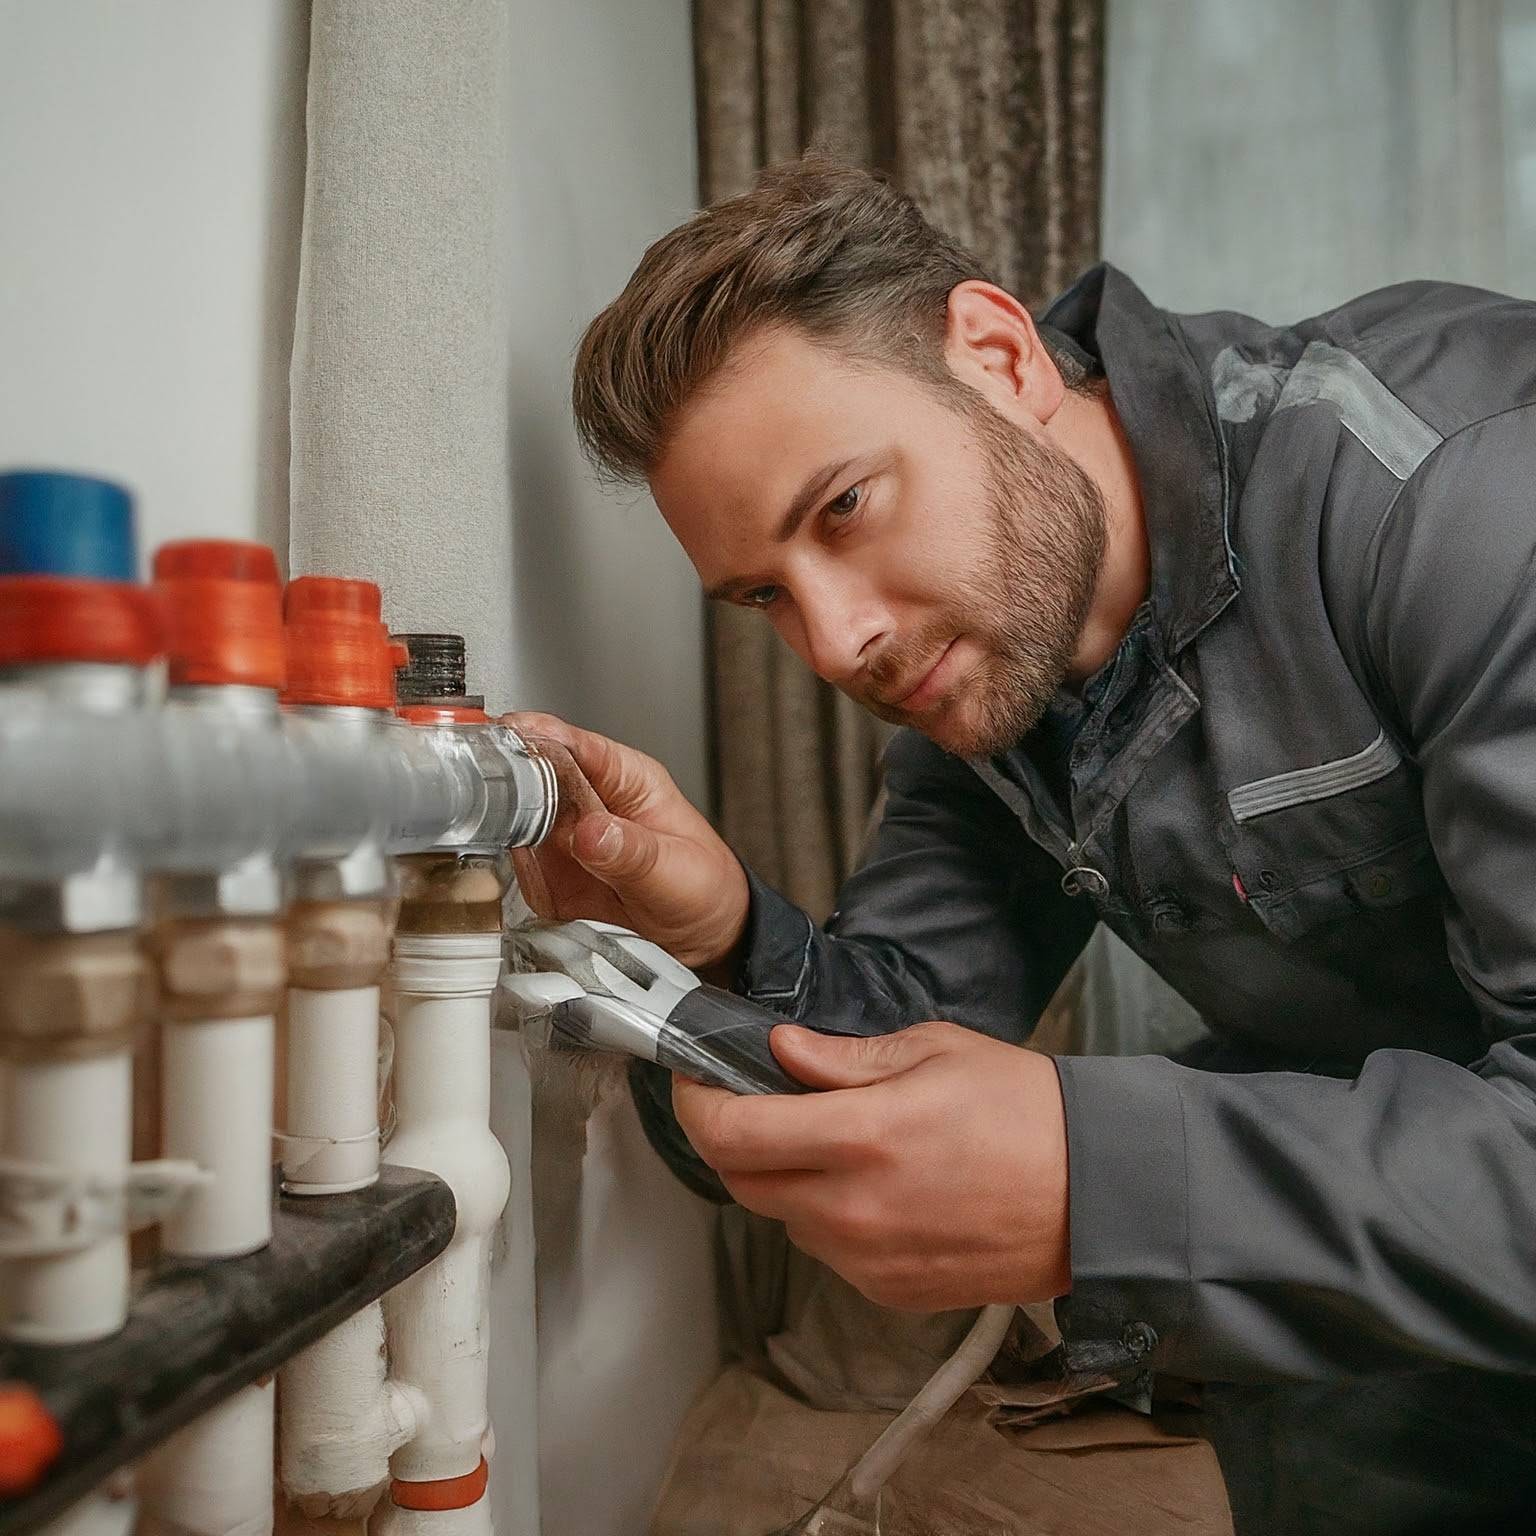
{"x": 160, "y": 792}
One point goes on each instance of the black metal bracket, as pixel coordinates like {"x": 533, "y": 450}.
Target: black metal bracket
{"x": 199, "y": 1332}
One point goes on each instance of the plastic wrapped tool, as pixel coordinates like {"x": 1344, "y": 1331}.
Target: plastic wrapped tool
{"x": 604, "y": 988}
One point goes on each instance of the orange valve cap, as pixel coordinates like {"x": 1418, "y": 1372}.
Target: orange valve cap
{"x": 221, "y": 605}
{"x": 46, "y": 619}
{"x": 339, "y": 651}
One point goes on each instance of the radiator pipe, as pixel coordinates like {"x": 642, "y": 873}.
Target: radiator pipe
{"x": 341, "y": 1414}
{"x": 219, "y": 950}
{"x": 446, "y": 964}
{"x": 77, "y": 635}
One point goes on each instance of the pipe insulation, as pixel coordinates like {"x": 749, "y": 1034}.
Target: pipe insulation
{"x": 401, "y": 345}
{"x": 343, "y": 1418}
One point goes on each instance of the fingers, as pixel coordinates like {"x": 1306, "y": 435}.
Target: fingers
{"x": 771, "y": 1133}
{"x": 577, "y": 797}
{"x": 779, "y": 1196}
{"x": 837, "y": 1061}
{"x": 624, "y": 780}
{"x": 615, "y": 850}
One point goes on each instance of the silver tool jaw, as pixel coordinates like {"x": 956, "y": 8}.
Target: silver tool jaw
{"x": 605, "y": 988}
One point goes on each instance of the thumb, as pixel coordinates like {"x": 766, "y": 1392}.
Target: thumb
{"x": 613, "y": 849}
{"x": 844, "y": 1061}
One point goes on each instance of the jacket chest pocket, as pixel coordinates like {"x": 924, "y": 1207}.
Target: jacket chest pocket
{"x": 1325, "y": 845}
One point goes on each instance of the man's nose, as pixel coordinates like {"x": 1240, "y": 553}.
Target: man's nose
{"x": 840, "y": 630}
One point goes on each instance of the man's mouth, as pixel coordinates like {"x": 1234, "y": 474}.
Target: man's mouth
{"x": 928, "y": 685}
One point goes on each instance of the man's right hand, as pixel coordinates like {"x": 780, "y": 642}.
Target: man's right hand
{"x": 628, "y": 848}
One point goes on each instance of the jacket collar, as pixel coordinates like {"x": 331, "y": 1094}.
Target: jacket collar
{"x": 1169, "y": 418}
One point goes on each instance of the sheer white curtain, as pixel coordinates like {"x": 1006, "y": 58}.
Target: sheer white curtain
{"x": 1280, "y": 158}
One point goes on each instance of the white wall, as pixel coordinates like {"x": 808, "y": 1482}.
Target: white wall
{"x": 151, "y": 171}
{"x": 607, "y": 610}
{"x": 608, "y": 626}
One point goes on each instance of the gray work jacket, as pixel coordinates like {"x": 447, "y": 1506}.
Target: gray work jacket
{"x": 1305, "y": 793}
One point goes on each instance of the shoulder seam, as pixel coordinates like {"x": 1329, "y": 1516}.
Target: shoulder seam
{"x": 1430, "y": 458}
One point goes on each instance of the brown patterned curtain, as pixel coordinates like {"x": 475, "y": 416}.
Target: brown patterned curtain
{"x": 988, "y": 113}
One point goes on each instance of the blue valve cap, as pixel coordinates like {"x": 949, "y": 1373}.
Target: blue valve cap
{"x": 56, "y": 524}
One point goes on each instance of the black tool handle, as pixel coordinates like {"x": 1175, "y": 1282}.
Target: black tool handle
{"x": 722, "y": 1039}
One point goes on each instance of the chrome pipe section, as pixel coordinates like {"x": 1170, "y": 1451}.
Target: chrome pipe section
{"x": 170, "y": 792}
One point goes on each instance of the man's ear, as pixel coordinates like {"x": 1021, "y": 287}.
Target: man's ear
{"x": 990, "y": 343}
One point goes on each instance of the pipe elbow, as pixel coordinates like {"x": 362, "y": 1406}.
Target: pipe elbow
{"x": 407, "y": 1412}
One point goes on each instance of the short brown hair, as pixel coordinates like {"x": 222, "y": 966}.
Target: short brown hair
{"x": 835, "y": 251}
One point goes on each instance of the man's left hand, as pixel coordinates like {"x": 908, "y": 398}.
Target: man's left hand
{"x": 931, "y": 1174}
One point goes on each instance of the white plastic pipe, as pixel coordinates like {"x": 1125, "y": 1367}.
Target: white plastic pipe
{"x": 214, "y": 1478}
{"x": 78, "y": 1117}
{"x": 471, "y": 1520}
{"x": 438, "y": 1320}
{"x": 107, "y": 1512}
{"x": 940, "y": 1393}
{"x": 342, "y": 1419}
{"x": 341, "y": 1416}
{"x": 217, "y": 1112}
{"x": 331, "y": 1141}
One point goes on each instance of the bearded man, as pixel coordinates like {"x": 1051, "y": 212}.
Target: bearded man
{"x": 1219, "y": 633}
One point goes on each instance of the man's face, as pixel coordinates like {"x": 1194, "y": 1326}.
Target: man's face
{"x": 935, "y": 561}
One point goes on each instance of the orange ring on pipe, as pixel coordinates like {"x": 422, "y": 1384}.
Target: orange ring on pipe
{"x": 442, "y": 1492}
{"x": 428, "y": 713}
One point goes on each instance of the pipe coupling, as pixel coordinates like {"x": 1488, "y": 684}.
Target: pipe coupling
{"x": 219, "y": 968}
{"x": 336, "y": 945}
{"x": 452, "y": 893}
{"x": 71, "y": 996}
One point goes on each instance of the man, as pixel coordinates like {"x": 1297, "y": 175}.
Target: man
{"x": 1217, "y": 633}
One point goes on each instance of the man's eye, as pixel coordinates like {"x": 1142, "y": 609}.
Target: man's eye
{"x": 847, "y": 502}
{"x": 759, "y": 597}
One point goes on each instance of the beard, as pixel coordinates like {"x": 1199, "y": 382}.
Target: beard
{"x": 1025, "y": 603}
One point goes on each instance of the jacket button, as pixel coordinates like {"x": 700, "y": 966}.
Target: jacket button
{"x": 1080, "y": 880}
{"x": 1139, "y": 1339}
{"x": 1378, "y": 883}
{"x": 1269, "y": 879}
{"x": 1168, "y": 917}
